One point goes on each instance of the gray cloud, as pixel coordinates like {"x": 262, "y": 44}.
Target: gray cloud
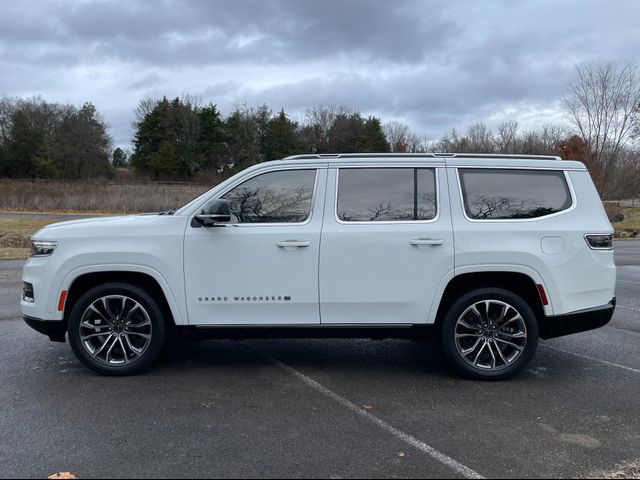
{"x": 435, "y": 64}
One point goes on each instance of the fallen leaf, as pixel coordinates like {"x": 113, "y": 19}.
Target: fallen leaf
{"x": 624, "y": 470}
{"x": 208, "y": 404}
{"x": 368, "y": 408}
{"x": 63, "y": 476}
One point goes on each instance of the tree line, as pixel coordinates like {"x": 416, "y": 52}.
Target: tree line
{"x": 51, "y": 140}
{"x": 180, "y": 139}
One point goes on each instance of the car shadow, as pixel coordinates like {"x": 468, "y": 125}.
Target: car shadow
{"x": 416, "y": 357}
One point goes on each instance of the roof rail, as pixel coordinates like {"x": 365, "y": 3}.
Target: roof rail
{"x": 310, "y": 156}
{"x": 499, "y": 155}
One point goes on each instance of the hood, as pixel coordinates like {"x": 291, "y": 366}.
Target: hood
{"x": 99, "y": 226}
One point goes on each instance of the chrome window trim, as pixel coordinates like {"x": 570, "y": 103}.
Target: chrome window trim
{"x": 387, "y": 222}
{"x": 572, "y": 194}
{"x": 263, "y": 172}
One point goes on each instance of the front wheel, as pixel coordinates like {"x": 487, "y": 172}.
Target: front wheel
{"x": 117, "y": 329}
{"x": 490, "y": 334}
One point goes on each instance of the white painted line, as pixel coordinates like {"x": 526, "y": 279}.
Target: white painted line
{"x": 463, "y": 470}
{"x": 587, "y": 357}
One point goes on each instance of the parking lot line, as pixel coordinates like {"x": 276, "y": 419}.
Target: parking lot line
{"x": 461, "y": 469}
{"x": 604, "y": 362}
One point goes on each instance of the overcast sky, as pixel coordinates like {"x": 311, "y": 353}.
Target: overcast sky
{"x": 432, "y": 64}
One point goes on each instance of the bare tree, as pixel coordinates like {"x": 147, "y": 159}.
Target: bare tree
{"x": 480, "y": 139}
{"x": 7, "y": 108}
{"x": 551, "y": 135}
{"x": 317, "y": 123}
{"x": 603, "y": 106}
{"x": 144, "y": 108}
{"x": 507, "y": 137}
{"x": 401, "y": 139}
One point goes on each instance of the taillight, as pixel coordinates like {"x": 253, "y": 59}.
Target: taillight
{"x": 599, "y": 242}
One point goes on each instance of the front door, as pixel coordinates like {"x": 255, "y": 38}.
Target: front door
{"x": 262, "y": 268}
{"x": 387, "y": 244}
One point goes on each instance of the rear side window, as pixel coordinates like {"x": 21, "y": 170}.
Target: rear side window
{"x": 386, "y": 194}
{"x": 497, "y": 194}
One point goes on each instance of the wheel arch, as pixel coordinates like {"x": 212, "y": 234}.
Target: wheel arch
{"x": 82, "y": 280}
{"x": 519, "y": 282}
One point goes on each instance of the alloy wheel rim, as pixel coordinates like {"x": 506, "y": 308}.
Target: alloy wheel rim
{"x": 116, "y": 330}
{"x": 490, "y": 335}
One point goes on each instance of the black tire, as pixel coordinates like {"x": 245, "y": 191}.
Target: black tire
{"x": 506, "y": 370}
{"x": 153, "y": 346}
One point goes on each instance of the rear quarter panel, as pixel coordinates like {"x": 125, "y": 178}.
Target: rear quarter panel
{"x": 551, "y": 250}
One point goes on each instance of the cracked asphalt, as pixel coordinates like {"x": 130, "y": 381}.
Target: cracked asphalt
{"x": 322, "y": 408}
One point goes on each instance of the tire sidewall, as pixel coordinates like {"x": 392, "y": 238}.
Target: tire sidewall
{"x": 458, "y": 308}
{"x": 143, "y": 298}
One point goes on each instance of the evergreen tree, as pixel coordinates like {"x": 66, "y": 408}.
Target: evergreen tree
{"x": 173, "y": 124}
{"x": 372, "y": 138}
{"x": 212, "y": 144}
{"x": 26, "y": 143}
{"x": 166, "y": 163}
{"x": 282, "y": 138}
{"x": 246, "y": 128}
{"x": 345, "y": 133}
{"x": 119, "y": 158}
{"x": 149, "y": 136}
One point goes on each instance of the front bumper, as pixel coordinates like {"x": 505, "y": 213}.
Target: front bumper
{"x": 576, "y": 322}
{"x": 56, "y": 330}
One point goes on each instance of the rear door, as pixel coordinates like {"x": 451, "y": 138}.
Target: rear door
{"x": 387, "y": 244}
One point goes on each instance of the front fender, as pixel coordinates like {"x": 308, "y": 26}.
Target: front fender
{"x": 177, "y": 310}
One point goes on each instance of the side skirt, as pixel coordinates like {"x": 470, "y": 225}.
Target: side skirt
{"x": 375, "y": 332}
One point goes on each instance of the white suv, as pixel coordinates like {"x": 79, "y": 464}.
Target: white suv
{"x": 489, "y": 252}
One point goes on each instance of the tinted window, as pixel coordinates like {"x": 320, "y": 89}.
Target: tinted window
{"x": 386, "y": 194}
{"x": 275, "y": 197}
{"x": 513, "y": 194}
{"x": 426, "y": 183}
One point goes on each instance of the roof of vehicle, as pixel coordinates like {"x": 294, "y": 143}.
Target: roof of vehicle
{"x": 446, "y": 159}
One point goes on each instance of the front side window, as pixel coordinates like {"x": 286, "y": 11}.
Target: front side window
{"x": 275, "y": 197}
{"x": 386, "y": 194}
{"x": 498, "y": 194}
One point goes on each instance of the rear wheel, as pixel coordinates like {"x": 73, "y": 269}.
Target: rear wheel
{"x": 490, "y": 334}
{"x": 117, "y": 329}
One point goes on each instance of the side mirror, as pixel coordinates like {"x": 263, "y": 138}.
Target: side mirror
{"x": 216, "y": 213}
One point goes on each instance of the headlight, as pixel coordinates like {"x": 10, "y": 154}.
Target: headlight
{"x": 42, "y": 249}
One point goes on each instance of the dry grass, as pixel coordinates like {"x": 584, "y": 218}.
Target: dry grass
{"x": 13, "y": 253}
{"x": 60, "y": 196}
{"x": 630, "y": 226}
{"x": 24, "y": 226}
{"x": 15, "y": 234}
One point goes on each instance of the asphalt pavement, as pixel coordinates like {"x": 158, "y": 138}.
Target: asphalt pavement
{"x": 322, "y": 408}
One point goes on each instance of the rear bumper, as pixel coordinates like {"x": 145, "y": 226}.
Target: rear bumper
{"x": 576, "y": 322}
{"x": 56, "y": 330}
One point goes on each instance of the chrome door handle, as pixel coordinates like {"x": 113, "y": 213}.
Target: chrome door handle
{"x": 292, "y": 244}
{"x": 420, "y": 242}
